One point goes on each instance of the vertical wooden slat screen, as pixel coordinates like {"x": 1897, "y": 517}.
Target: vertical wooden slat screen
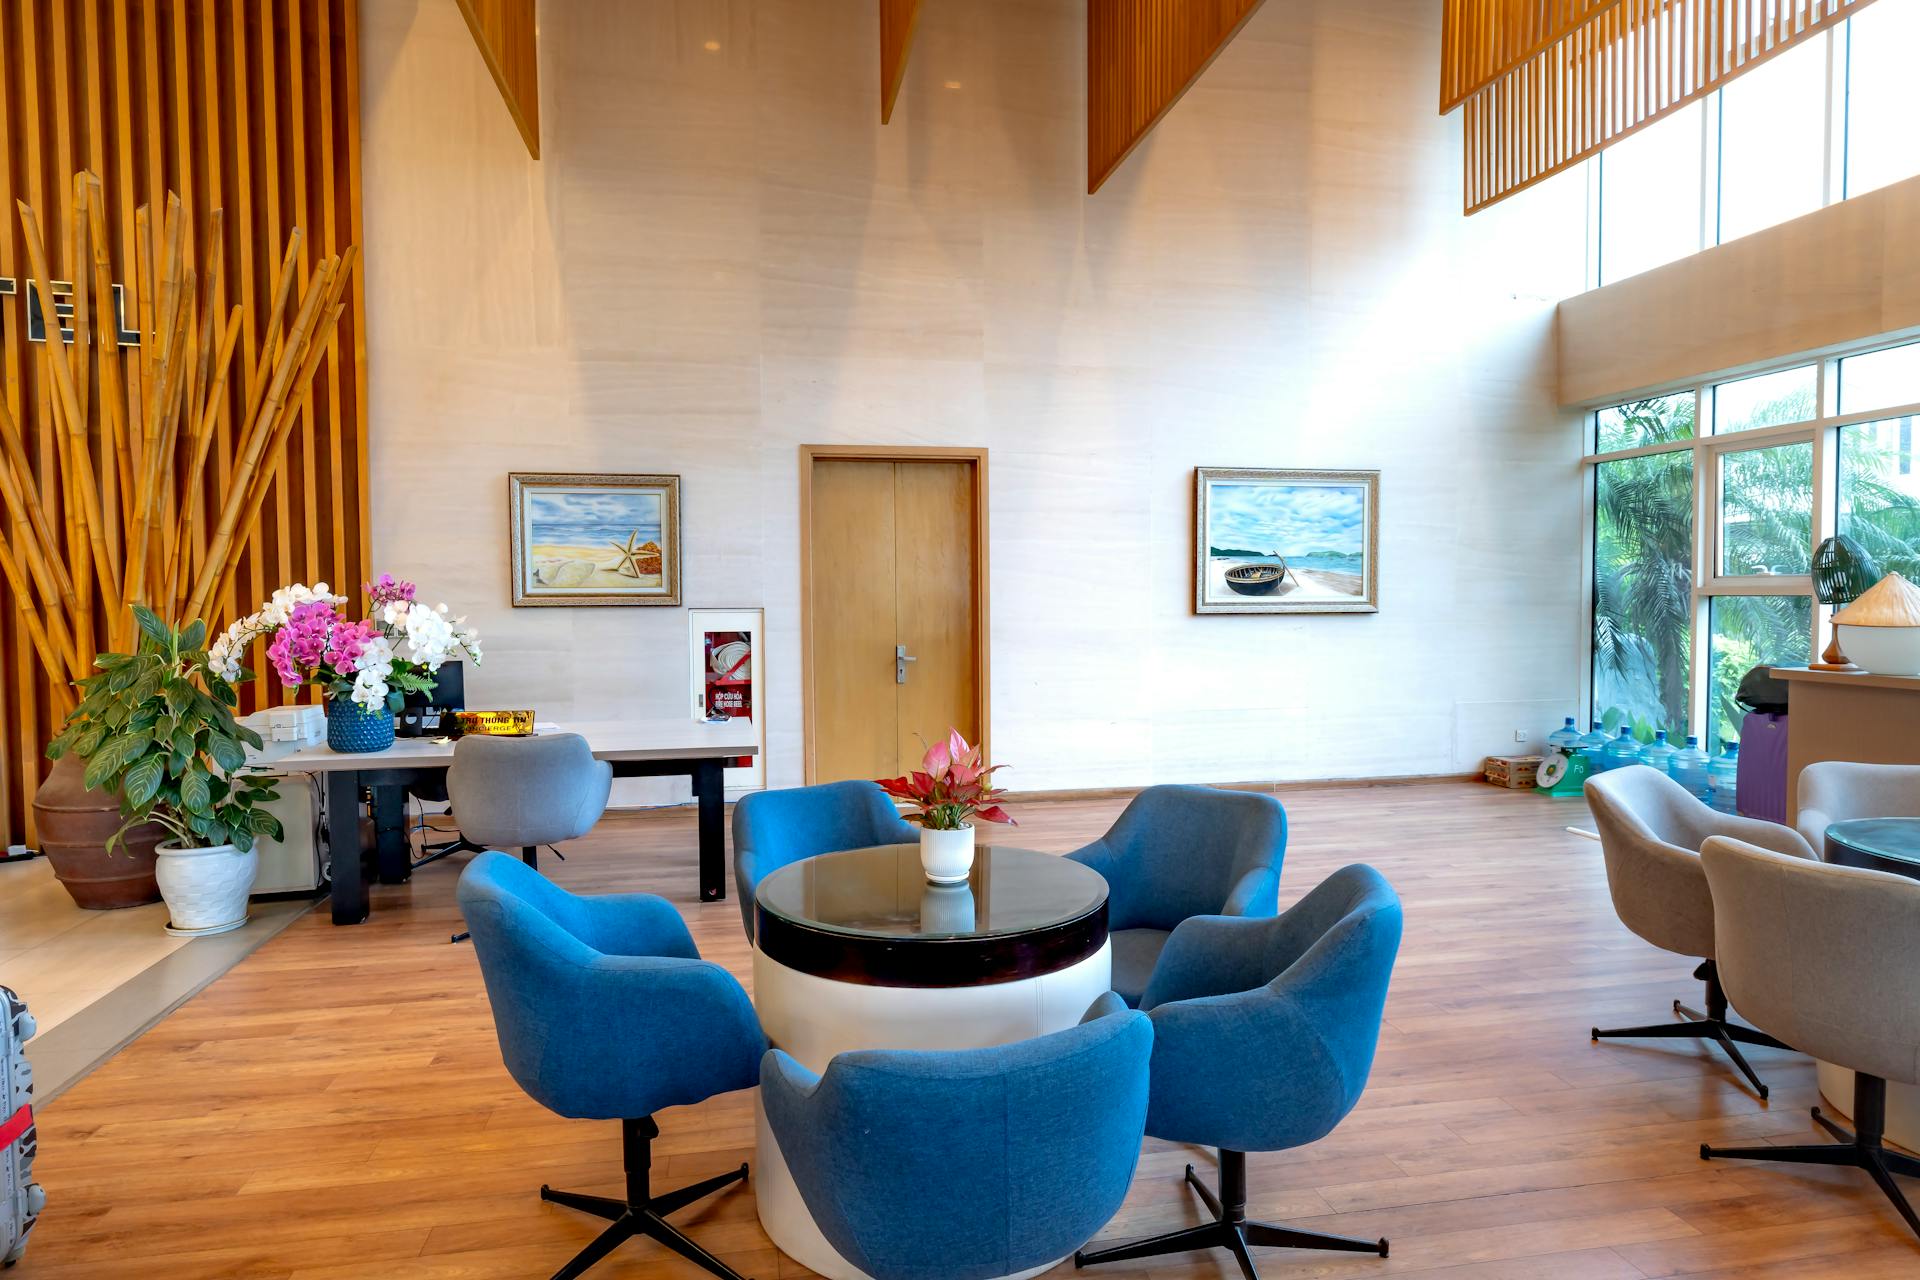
{"x": 1141, "y": 56}
{"x": 508, "y": 32}
{"x": 897, "y": 19}
{"x": 251, "y": 106}
{"x": 1546, "y": 83}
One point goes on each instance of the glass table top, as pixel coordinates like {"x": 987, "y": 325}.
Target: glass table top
{"x": 1897, "y": 839}
{"x": 883, "y": 893}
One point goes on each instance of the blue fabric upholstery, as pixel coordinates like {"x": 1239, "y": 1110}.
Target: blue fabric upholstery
{"x": 603, "y": 1007}
{"x": 1182, "y": 851}
{"x": 774, "y": 828}
{"x": 1264, "y": 1030}
{"x": 975, "y": 1163}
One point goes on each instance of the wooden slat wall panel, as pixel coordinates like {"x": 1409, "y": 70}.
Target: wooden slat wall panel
{"x": 1480, "y": 40}
{"x": 1141, "y": 56}
{"x": 508, "y": 35}
{"x": 1628, "y": 65}
{"x": 247, "y": 105}
{"x": 897, "y": 19}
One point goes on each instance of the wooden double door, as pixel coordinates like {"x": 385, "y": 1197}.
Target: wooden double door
{"x": 894, "y": 606}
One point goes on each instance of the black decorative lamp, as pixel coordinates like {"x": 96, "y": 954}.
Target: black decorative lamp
{"x": 1841, "y": 571}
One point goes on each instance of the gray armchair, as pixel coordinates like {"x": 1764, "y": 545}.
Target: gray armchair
{"x": 1822, "y": 955}
{"x": 1836, "y": 790}
{"x": 521, "y": 793}
{"x": 1651, "y": 829}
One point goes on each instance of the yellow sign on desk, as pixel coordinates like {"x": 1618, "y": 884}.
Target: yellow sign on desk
{"x": 496, "y": 724}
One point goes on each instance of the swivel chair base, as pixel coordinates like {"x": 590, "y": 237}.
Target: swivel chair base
{"x": 1230, "y": 1229}
{"x": 642, "y": 1214}
{"x": 1711, "y": 1025}
{"x": 1861, "y": 1149}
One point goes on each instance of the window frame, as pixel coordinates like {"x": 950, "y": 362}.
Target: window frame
{"x": 1708, "y": 450}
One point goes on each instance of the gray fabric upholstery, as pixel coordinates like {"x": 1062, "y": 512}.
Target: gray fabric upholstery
{"x": 1820, "y": 956}
{"x": 509, "y": 793}
{"x": 1135, "y": 952}
{"x": 1836, "y": 790}
{"x": 1651, "y": 829}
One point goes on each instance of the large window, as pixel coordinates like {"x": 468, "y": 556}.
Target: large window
{"x": 1829, "y": 118}
{"x": 1703, "y": 535}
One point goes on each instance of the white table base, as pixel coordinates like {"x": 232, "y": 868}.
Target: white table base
{"x": 815, "y": 1018}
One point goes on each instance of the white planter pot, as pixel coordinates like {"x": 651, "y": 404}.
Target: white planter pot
{"x": 946, "y": 856}
{"x": 1887, "y": 651}
{"x": 206, "y": 889}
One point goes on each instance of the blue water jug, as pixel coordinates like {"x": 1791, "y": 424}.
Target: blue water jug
{"x": 1565, "y": 739}
{"x": 1659, "y": 753}
{"x": 1689, "y": 768}
{"x": 1723, "y": 778}
{"x": 1622, "y": 751}
{"x": 1593, "y": 746}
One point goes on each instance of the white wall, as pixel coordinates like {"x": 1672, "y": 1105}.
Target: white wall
{"x": 723, "y": 254}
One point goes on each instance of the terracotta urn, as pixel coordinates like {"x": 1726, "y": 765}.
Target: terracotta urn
{"x": 74, "y": 825}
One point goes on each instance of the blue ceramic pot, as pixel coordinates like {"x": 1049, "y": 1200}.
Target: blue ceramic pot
{"x": 351, "y": 728}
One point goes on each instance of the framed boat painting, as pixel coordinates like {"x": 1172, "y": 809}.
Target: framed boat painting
{"x": 1285, "y": 541}
{"x": 594, "y": 539}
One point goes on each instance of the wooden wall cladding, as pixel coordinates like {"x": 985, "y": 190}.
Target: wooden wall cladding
{"x": 1141, "y": 56}
{"x": 508, "y": 33}
{"x": 1625, "y": 66}
{"x": 251, "y": 106}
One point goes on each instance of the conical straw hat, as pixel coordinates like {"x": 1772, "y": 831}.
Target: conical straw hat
{"x": 1890, "y": 602}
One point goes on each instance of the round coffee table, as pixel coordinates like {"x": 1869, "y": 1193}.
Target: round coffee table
{"x": 857, "y": 950}
{"x": 1879, "y": 844}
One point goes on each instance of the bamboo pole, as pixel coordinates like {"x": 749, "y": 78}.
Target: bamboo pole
{"x": 259, "y": 430}
{"x": 42, "y": 642}
{"x": 113, "y": 414}
{"x": 200, "y": 441}
{"x": 76, "y": 424}
{"x": 26, "y": 498}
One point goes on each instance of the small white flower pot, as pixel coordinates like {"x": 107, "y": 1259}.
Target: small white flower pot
{"x": 206, "y": 889}
{"x": 946, "y": 856}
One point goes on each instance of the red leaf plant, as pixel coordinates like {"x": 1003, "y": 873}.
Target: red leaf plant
{"x": 950, "y": 787}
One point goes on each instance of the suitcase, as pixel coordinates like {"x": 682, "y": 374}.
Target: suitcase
{"x": 21, "y": 1198}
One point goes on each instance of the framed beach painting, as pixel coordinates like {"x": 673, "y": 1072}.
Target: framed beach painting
{"x": 595, "y": 539}
{"x": 1285, "y": 541}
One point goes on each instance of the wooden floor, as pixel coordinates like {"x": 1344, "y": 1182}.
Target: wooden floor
{"x": 335, "y": 1108}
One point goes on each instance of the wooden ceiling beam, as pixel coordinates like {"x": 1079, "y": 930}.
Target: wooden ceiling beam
{"x": 897, "y": 20}
{"x": 1141, "y": 56}
{"x": 508, "y": 35}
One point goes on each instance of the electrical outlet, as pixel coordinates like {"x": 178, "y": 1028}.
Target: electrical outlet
{"x": 1519, "y": 735}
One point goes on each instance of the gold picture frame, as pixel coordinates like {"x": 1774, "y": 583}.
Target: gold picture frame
{"x": 594, "y": 540}
{"x": 1281, "y": 541}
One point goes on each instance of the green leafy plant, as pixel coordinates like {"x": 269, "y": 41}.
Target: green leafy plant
{"x": 157, "y": 726}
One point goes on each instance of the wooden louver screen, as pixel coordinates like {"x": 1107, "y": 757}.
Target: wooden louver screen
{"x": 251, "y": 107}
{"x": 1141, "y": 56}
{"x": 897, "y": 18}
{"x": 1542, "y": 88}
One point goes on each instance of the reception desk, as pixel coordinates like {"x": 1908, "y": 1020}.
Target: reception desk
{"x": 1838, "y": 715}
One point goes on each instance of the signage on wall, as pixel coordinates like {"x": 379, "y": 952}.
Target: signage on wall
{"x": 726, "y": 663}
{"x": 63, "y": 310}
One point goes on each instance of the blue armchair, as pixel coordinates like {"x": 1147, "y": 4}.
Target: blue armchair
{"x": 965, "y": 1164}
{"x": 1264, "y": 1032}
{"x": 1178, "y": 852}
{"x": 774, "y": 828}
{"x": 605, "y": 1011}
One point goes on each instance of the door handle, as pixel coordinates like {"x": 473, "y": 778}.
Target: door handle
{"x": 900, "y": 660}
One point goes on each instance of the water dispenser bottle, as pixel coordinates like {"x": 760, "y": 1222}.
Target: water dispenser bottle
{"x": 1689, "y": 768}
{"x": 1565, "y": 739}
{"x": 1622, "y": 751}
{"x": 1723, "y": 777}
{"x": 1593, "y": 746}
{"x": 1659, "y": 753}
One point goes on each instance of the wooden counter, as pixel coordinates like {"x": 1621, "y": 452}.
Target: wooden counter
{"x": 1839, "y": 715}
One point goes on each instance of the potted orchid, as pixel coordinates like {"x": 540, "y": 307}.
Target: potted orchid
{"x": 949, "y": 790}
{"x": 366, "y": 666}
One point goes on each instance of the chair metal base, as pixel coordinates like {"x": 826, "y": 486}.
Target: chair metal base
{"x": 1712, "y": 1025}
{"x": 431, "y": 853}
{"x": 1861, "y": 1149}
{"x": 642, "y": 1215}
{"x": 1230, "y": 1228}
